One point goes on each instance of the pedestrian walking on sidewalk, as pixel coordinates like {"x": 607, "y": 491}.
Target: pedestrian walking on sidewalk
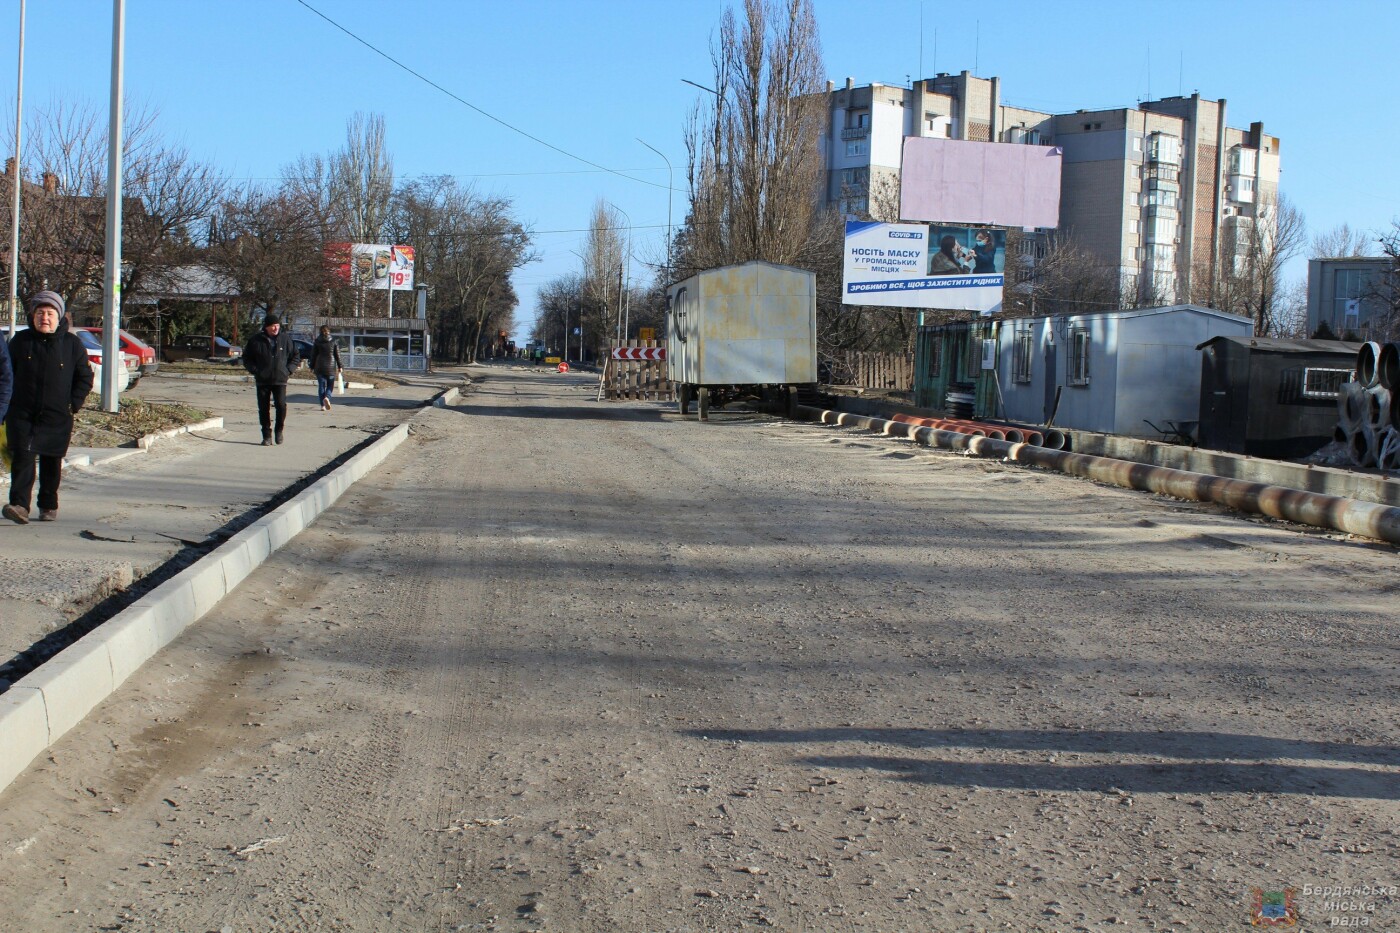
{"x": 271, "y": 357}
{"x": 325, "y": 363}
{"x": 52, "y": 379}
{"x": 7, "y": 377}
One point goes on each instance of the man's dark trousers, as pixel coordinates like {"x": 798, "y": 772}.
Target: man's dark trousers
{"x": 268, "y": 396}
{"x": 22, "y": 475}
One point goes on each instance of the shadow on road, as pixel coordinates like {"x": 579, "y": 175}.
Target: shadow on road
{"x": 1201, "y": 775}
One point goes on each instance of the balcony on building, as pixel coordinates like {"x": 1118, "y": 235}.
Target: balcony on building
{"x": 1164, "y": 148}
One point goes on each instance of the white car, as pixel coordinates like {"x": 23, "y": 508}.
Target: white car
{"x": 94, "y": 352}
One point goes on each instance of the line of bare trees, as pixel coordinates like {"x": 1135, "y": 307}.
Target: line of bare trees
{"x": 184, "y": 219}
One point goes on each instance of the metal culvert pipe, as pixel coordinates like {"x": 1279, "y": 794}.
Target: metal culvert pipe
{"x": 1055, "y": 439}
{"x": 1351, "y": 410}
{"x": 1370, "y": 519}
{"x": 1367, "y": 357}
{"x": 1378, "y": 406}
{"x": 1388, "y": 366}
{"x": 1361, "y": 444}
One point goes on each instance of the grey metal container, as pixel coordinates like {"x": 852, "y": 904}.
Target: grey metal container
{"x": 749, "y": 325}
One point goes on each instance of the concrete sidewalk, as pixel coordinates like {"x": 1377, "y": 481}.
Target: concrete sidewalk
{"x": 129, "y": 512}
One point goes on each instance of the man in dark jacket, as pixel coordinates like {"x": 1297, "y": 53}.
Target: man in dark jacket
{"x": 52, "y": 380}
{"x": 271, "y": 357}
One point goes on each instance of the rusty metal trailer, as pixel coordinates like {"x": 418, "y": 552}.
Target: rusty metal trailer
{"x": 745, "y": 331}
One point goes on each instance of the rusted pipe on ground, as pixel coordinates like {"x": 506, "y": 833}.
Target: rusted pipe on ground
{"x": 1370, "y": 519}
{"x": 997, "y": 431}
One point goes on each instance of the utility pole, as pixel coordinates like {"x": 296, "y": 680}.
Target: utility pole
{"x": 15, "y": 180}
{"x": 112, "y": 278}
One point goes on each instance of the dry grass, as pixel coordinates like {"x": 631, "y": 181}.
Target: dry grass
{"x": 135, "y": 419}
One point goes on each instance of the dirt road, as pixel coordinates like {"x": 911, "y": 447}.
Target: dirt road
{"x": 576, "y": 666}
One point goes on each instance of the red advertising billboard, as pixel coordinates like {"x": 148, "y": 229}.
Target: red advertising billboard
{"x": 373, "y": 265}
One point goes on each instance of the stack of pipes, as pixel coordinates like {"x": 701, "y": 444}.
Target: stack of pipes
{"x": 1048, "y": 437}
{"x": 1369, "y": 408}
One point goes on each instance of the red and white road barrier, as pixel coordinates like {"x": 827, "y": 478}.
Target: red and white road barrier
{"x": 639, "y": 353}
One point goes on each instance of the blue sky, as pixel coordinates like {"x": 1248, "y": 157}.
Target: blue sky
{"x": 251, "y": 84}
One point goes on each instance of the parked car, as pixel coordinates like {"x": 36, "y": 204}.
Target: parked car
{"x": 129, "y": 363}
{"x": 145, "y": 353}
{"x": 304, "y": 348}
{"x": 196, "y": 347}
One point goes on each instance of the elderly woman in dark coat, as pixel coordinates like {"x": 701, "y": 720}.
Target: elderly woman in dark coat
{"x": 52, "y": 379}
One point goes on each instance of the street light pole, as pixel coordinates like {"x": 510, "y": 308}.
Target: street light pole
{"x": 14, "y": 227}
{"x": 670, "y": 188}
{"x": 112, "y": 279}
{"x": 622, "y": 295}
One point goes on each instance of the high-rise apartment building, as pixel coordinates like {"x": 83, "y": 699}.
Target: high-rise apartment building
{"x": 1165, "y": 192}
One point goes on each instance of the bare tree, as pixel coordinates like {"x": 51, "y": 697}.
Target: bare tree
{"x": 1252, "y": 260}
{"x": 755, "y": 170}
{"x": 602, "y": 291}
{"x": 1056, "y": 274}
{"x": 468, "y": 247}
{"x": 1341, "y": 242}
{"x": 360, "y": 181}
{"x": 270, "y": 248}
{"x": 1384, "y": 293}
{"x": 167, "y": 198}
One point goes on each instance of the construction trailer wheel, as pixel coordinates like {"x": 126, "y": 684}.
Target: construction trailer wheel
{"x": 683, "y": 398}
{"x": 703, "y": 403}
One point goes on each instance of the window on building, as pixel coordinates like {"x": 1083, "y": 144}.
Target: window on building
{"x": 1162, "y": 199}
{"x": 1348, "y": 288}
{"x": 855, "y": 177}
{"x": 1133, "y": 226}
{"x": 1079, "y": 356}
{"x": 857, "y": 147}
{"x": 1021, "y": 355}
{"x": 858, "y": 118}
{"x": 935, "y": 355}
{"x": 1164, "y": 148}
{"x": 931, "y": 120}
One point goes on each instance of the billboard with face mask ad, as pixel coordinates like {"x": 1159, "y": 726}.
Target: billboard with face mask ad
{"x": 924, "y": 266}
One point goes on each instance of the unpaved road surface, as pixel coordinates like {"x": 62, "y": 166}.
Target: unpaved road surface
{"x": 576, "y": 666}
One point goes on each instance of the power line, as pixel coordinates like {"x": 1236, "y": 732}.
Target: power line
{"x": 468, "y": 104}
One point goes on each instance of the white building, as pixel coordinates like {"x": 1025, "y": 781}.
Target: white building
{"x": 1156, "y": 190}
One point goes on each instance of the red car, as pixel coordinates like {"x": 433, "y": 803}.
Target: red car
{"x": 136, "y": 347}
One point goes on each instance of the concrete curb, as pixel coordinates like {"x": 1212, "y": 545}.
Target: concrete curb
{"x": 448, "y": 397}
{"x": 42, "y": 706}
{"x": 214, "y": 377}
{"x": 209, "y": 424}
{"x": 143, "y": 444}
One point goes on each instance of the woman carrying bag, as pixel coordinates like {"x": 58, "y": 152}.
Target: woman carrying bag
{"x": 325, "y": 363}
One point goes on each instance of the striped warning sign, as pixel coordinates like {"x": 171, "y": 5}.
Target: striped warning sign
{"x": 639, "y": 353}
